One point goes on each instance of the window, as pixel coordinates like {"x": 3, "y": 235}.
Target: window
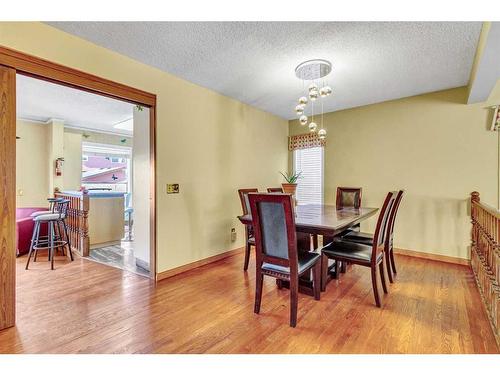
{"x": 309, "y": 161}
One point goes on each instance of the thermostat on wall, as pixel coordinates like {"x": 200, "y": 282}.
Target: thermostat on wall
{"x": 172, "y": 188}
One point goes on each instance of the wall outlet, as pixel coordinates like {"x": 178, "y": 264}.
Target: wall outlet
{"x": 172, "y": 188}
{"x": 233, "y": 234}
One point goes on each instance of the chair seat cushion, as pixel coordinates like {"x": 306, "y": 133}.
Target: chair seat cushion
{"x": 251, "y": 240}
{"x": 38, "y": 213}
{"x": 48, "y": 217}
{"x": 306, "y": 261}
{"x": 351, "y": 250}
{"x": 359, "y": 237}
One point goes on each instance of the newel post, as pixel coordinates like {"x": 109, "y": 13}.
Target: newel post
{"x": 474, "y": 196}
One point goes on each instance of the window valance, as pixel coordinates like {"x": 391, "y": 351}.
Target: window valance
{"x": 301, "y": 141}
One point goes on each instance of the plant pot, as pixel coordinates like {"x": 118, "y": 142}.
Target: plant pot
{"x": 289, "y": 188}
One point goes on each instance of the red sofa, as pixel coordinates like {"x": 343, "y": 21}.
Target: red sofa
{"x": 24, "y": 228}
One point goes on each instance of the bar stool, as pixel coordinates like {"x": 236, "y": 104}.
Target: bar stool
{"x": 54, "y": 220}
{"x": 52, "y": 207}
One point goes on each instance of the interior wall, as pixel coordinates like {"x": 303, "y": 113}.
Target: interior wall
{"x": 208, "y": 143}
{"x": 103, "y": 138}
{"x": 32, "y": 155}
{"x": 72, "y": 173}
{"x": 434, "y": 146}
{"x": 141, "y": 191}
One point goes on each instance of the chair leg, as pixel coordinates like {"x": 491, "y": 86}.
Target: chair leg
{"x": 259, "y": 279}
{"x": 294, "y": 300}
{"x": 279, "y": 283}
{"x": 388, "y": 262}
{"x": 315, "y": 241}
{"x": 37, "y": 227}
{"x": 375, "y": 286}
{"x": 247, "y": 256}
{"x": 67, "y": 239}
{"x": 393, "y": 263}
{"x": 337, "y": 269}
{"x": 51, "y": 247}
{"x": 33, "y": 236}
{"x": 343, "y": 266}
{"x": 324, "y": 271}
{"x": 382, "y": 275}
{"x": 317, "y": 280}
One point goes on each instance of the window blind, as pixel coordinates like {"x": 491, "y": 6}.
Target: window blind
{"x": 309, "y": 161}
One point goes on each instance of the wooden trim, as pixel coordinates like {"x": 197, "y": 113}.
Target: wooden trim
{"x": 7, "y": 197}
{"x": 50, "y": 71}
{"x": 199, "y": 263}
{"x": 436, "y": 257}
{"x": 152, "y": 205}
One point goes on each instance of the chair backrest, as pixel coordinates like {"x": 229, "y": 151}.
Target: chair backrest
{"x": 392, "y": 219}
{"x": 126, "y": 201}
{"x": 243, "y": 193}
{"x": 53, "y": 203}
{"x": 61, "y": 207}
{"x": 348, "y": 197}
{"x": 273, "y": 223}
{"x": 275, "y": 190}
{"x": 382, "y": 223}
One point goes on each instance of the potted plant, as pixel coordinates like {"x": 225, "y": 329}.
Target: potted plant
{"x": 291, "y": 182}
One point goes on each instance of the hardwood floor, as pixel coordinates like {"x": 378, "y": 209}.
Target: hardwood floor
{"x": 86, "y": 307}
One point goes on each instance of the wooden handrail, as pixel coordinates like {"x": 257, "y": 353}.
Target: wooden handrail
{"x": 77, "y": 221}
{"x": 485, "y": 257}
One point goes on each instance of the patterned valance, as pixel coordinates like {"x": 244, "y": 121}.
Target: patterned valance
{"x": 301, "y": 141}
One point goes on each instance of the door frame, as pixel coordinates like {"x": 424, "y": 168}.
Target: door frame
{"x": 36, "y": 67}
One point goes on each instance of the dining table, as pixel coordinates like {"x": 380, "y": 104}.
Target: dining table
{"x": 320, "y": 219}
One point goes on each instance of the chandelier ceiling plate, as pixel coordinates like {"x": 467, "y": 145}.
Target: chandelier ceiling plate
{"x": 311, "y": 70}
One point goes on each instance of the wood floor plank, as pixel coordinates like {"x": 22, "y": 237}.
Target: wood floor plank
{"x": 86, "y": 307}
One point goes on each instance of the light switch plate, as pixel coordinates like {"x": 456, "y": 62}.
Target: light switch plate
{"x": 172, "y": 188}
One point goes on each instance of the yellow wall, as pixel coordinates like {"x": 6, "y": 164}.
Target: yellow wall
{"x": 103, "y": 138}
{"x": 72, "y": 172}
{"x": 32, "y": 155}
{"x": 433, "y": 146}
{"x": 208, "y": 143}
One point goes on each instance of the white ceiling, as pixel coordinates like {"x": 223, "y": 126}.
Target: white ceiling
{"x": 40, "y": 101}
{"x": 488, "y": 70}
{"x": 254, "y": 61}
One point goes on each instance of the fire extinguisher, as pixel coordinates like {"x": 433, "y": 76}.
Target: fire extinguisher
{"x": 59, "y": 166}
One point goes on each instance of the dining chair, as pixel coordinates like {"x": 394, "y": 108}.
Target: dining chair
{"x": 276, "y": 248}
{"x": 367, "y": 238}
{"x": 275, "y": 190}
{"x": 361, "y": 254}
{"x": 348, "y": 197}
{"x": 249, "y": 237}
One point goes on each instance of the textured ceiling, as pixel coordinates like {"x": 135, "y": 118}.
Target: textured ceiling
{"x": 40, "y": 101}
{"x": 254, "y": 61}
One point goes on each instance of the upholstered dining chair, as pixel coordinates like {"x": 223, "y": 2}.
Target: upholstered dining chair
{"x": 348, "y": 197}
{"x": 275, "y": 190}
{"x": 361, "y": 254}
{"x": 249, "y": 238}
{"x": 276, "y": 248}
{"x": 367, "y": 238}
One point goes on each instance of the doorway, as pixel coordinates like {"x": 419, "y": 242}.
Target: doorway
{"x": 12, "y": 63}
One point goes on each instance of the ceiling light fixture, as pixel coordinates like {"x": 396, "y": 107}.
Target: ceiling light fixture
{"x": 313, "y": 71}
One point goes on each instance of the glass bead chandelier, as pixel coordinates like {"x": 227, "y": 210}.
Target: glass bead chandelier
{"x": 313, "y": 72}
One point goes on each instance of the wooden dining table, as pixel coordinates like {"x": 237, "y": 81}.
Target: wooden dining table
{"x": 320, "y": 219}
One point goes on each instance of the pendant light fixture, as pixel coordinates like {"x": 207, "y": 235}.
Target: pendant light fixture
{"x": 313, "y": 71}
